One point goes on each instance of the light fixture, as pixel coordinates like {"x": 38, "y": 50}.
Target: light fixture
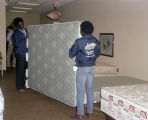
{"x": 23, "y": 8}
{"x": 23, "y": 3}
{"x": 54, "y": 15}
{"x": 17, "y": 11}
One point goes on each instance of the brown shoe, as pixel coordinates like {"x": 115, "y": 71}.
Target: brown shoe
{"x": 76, "y": 117}
{"x": 89, "y": 115}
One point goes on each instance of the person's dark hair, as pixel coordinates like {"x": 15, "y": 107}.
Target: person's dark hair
{"x": 87, "y": 27}
{"x": 10, "y": 27}
{"x": 17, "y": 20}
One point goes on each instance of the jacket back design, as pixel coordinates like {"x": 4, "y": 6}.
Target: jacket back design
{"x": 86, "y": 50}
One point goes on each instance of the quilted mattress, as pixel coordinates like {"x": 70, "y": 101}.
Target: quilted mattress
{"x": 128, "y": 102}
{"x": 50, "y": 70}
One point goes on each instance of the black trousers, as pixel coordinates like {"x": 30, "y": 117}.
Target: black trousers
{"x": 20, "y": 72}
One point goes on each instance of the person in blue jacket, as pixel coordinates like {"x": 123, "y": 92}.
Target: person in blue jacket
{"x": 20, "y": 35}
{"x": 86, "y": 50}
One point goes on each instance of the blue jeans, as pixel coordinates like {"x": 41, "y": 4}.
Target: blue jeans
{"x": 85, "y": 77}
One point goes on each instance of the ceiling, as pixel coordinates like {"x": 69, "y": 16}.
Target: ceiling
{"x": 45, "y": 5}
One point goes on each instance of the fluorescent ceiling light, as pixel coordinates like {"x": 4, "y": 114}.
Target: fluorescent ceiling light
{"x": 17, "y": 11}
{"x": 23, "y": 8}
{"x": 23, "y": 3}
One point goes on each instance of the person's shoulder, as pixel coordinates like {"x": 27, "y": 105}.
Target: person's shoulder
{"x": 16, "y": 32}
{"x": 78, "y": 40}
{"x": 94, "y": 38}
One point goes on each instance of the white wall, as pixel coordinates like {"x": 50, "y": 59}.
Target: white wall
{"x": 29, "y": 19}
{"x": 3, "y": 32}
{"x": 128, "y": 20}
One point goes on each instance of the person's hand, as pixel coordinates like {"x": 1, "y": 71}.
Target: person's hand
{"x": 27, "y": 35}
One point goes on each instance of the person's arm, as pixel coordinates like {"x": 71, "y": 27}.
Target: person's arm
{"x": 97, "y": 50}
{"x": 74, "y": 49}
{"x": 27, "y": 35}
{"x": 16, "y": 40}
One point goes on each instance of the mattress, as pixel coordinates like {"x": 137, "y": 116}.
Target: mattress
{"x": 128, "y": 102}
{"x": 50, "y": 70}
{"x": 100, "y": 82}
{"x": 105, "y": 68}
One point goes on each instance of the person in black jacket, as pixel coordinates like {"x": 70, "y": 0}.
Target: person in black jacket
{"x": 86, "y": 50}
{"x": 20, "y": 36}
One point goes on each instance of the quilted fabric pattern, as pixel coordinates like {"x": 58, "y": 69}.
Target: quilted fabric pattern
{"x": 130, "y": 99}
{"x": 50, "y": 68}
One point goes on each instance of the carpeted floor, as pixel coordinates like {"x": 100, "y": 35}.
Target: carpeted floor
{"x": 31, "y": 105}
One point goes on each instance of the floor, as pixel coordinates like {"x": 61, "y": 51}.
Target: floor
{"x": 31, "y": 105}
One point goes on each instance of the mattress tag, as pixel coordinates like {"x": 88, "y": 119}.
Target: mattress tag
{"x": 131, "y": 112}
{"x": 143, "y": 115}
{"x": 26, "y": 56}
{"x": 120, "y": 109}
{"x": 75, "y": 68}
{"x": 110, "y": 98}
{"x": 120, "y": 104}
{"x": 110, "y": 105}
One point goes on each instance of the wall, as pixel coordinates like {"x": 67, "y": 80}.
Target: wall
{"x": 3, "y": 32}
{"x": 127, "y": 19}
{"x": 29, "y": 19}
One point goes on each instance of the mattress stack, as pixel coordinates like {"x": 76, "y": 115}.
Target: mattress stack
{"x": 1, "y": 105}
{"x": 128, "y": 102}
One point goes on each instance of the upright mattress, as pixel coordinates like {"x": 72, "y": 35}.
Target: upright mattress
{"x": 50, "y": 69}
{"x": 128, "y": 102}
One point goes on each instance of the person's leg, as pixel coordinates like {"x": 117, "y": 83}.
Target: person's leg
{"x": 89, "y": 87}
{"x": 81, "y": 80}
{"x": 20, "y": 72}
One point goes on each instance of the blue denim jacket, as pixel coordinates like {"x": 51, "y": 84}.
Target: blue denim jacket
{"x": 19, "y": 39}
{"x": 86, "y": 50}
